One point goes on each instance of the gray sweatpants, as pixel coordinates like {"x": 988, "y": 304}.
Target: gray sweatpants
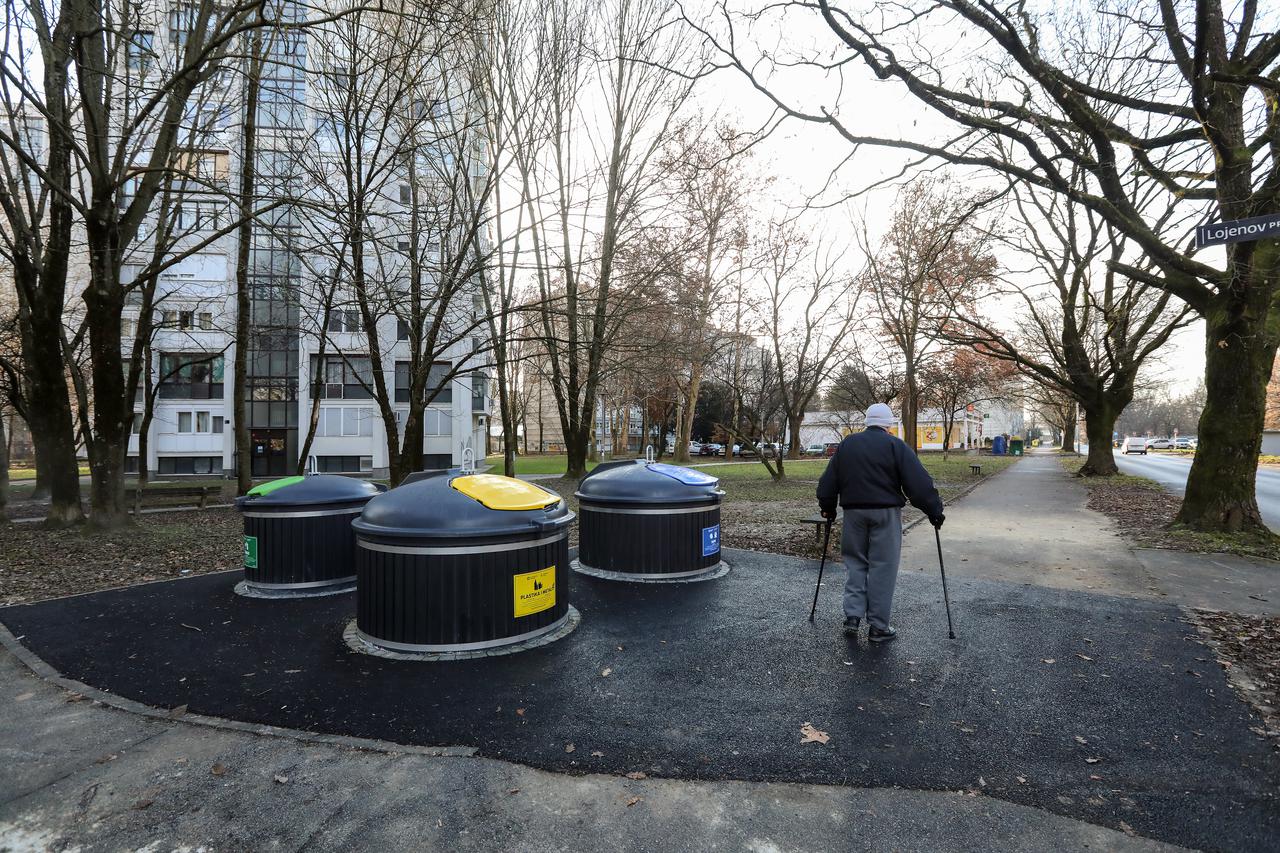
{"x": 871, "y": 544}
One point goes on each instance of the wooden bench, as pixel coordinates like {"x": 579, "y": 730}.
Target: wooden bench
{"x": 975, "y": 469}
{"x": 200, "y": 493}
{"x": 818, "y": 522}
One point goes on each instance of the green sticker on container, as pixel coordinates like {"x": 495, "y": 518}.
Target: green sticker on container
{"x": 251, "y": 552}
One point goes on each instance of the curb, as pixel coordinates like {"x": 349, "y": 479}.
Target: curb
{"x": 44, "y": 671}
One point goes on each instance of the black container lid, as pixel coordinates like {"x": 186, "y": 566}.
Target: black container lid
{"x": 453, "y": 506}
{"x": 311, "y": 490}
{"x": 643, "y": 482}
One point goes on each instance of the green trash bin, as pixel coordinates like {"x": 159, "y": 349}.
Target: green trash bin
{"x": 1015, "y": 447}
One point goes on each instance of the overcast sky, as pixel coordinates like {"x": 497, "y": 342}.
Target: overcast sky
{"x": 802, "y": 156}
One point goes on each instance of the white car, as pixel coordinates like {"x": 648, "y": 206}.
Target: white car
{"x": 815, "y": 450}
{"x": 1135, "y": 444}
{"x": 1186, "y": 443}
{"x": 1160, "y": 444}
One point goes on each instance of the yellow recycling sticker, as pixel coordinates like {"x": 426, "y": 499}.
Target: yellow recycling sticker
{"x": 535, "y": 591}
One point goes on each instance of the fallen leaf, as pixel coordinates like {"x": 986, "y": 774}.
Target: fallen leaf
{"x": 606, "y": 672}
{"x": 597, "y": 754}
{"x": 142, "y": 804}
{"x": 192, "y": 627}
{"x": 218, "y": 769}
{"x": 514, "y": 791}
{"x": 631, "y": 802}
{"x": 1080, "y": 739}
{"x": 519, "y": 712}
{"x": 281, "y": 779}
{"x": 568, "y": 747}
{"x": 22, "y": 697}
{"x": 636, "y": 774}
{"x": 175, "y": 713}
{"x": 1050, "y": 660}
{"x": 1126, "y": 829}
{"x": 291, "y": 671}
{"x": 1021, "y": 779}
{"x": 1092, "y": 760}
{"x": 811, "y": 735}
{"x": 1083, "y": 657}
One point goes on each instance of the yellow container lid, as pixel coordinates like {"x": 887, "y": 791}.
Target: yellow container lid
{"x": 507, "y": 493}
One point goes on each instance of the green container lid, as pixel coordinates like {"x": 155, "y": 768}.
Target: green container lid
{"x": 268, "y": 488}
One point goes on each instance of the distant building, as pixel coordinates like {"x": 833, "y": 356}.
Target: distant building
{"x": 967, "y": 429}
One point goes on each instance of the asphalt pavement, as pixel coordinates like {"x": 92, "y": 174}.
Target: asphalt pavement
{"x": 1171, "y": 472}
{"x": 1091, "y": 707}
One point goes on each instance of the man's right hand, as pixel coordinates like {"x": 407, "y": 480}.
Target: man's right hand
{"x": 937, "y": 520}
{"x": 829, "y": 514}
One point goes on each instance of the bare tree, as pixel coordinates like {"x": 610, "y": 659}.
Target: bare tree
{"x": 930, "y": 261}
{"x": 606, "y": 79}
{"x": 1134, "y": 94}
{"x": 808, "y": 311}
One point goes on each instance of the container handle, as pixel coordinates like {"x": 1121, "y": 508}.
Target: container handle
{"x": 468, "y": 461}
{"x": 648, "y": 453}
{"x": 544, "y": 524}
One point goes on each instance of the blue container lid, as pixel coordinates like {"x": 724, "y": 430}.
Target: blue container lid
{"x": 312, "y": 490}
{"x": 643, "y": 482}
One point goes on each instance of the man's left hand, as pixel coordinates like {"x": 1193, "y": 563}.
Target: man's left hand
{"x": 829, "y": 514}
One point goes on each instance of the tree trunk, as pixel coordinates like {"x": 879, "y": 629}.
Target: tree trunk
{"x": 4, "y": 470}
{"x": 244, "y": 305}
{"x": 793, "y": 427}
{"x": 1239, "y": 353}
{"x": 1069, "y": 436}
{"x": 1099, "y": 424}
{"x": 575, "y": 445}
{"x": 51, "y": 422}
{"x": 909, "y": 408}
{"x": 112, "y": 405}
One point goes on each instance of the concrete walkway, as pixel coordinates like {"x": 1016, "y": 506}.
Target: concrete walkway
{"x": 91, "y": 777}
{"x": 1029, "y": 524}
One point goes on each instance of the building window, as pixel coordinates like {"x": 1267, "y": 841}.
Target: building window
{"x": 402, "y": 381}
{"x": 344, "y": 320}
{"x": 140, "y": 50}
{"x": 402, "y": 330}
{"x": 202, "y": 422}
{"x": 344, "y": 464}
{"x": 438, "y": 377}
{"x": 341, "y": 378}
{"x": 477, "y": 392}
{"x": 406, "y": 196}
{"x": 345, "y": 422}
{"x": 137, "y": 423}
{"x": 403, "y": 245}
{"x": 189, "y": 465}
{"x": 217, "y": 423}
{"x": 190, "y": 376}
{"x": 184, "y": 422}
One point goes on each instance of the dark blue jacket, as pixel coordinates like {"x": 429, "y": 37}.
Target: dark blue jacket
{"x": 873, "y": 470}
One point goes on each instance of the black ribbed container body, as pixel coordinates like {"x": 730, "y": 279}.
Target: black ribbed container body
{"x": 304, "y": 552}
{"x": 652, "y": 542}
{"x": 450, "y": 602}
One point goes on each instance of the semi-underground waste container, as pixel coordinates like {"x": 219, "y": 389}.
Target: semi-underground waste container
{"x": 297, "y": 535}
{"x": 458, "y": 563}
{"x": 649, "y": 521}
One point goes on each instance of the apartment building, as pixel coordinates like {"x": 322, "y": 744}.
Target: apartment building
{"x": 309, "y": 361}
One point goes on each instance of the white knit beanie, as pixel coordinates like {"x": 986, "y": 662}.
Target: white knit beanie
{"x": 880, "y": 415}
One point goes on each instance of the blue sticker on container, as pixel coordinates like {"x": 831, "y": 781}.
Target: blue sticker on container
{"x": 711, "y": 540}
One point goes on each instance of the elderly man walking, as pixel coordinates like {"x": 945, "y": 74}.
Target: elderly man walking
{"x": 872, "y": 475}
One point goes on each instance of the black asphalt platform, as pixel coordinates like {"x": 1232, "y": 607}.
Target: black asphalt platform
{"x": 714, "y": 680}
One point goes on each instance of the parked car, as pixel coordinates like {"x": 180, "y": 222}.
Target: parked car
{"x": 1135, "y": 444}
{"x": 711, "y": 449}
{"x": 814, "y": 450}
{"x": 830, "y": 448}
{"x": 1160, "y": 444}
{"x": 695, "y": 448}
{"x": 1186, "y": 442}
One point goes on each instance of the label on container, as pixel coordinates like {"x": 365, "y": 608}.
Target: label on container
{"x": 711, "y": 540}
{"x": 251, "y": 552}
{"x": 535, "y": 591}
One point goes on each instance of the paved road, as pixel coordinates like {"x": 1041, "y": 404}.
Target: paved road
{"x": 1171, "y": 472}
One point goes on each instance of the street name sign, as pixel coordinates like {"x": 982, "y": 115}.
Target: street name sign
{"x": 1238, "y": 231}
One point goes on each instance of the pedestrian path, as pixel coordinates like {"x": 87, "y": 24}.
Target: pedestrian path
{"x": 1030, "y": 524}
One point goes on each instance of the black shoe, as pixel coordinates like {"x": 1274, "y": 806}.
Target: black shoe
{"x": 875, "y": 635}
{"x": 851, "y": 627}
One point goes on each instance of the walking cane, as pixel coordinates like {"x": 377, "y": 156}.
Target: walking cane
{"x": 826, "y": 544}
{"x": 945, "y": 598}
